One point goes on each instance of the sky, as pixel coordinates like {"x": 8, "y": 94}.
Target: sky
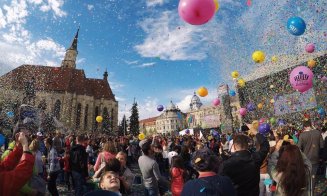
{"x": 151, "y": 54}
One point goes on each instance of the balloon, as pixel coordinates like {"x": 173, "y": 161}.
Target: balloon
{"x": 250, "y": 107}
{"x": 187, "y": 131}
{"x": 210, "y": 137}
{"x": 260, "y": 106}
{"x": 264, "y": 128}
{"x": 99, "y": 119}
{"x": 262, "y": 120}
{"x": 160, "y": 108}
{"x": 2, "y": 139}
{"x": 321, "y": 111}
{"x": 232, "y": 93}
{"x": 235, "y": 74}
{"x": 255, "y": 124}
{"x": 296, "y": 26}
{"x": 310, "y": 48}
{"x": 281, "y": 122}
{"x": 202, "y": 92}
{"x": 10, "y": 114}
{"x": 196, "y": 12}
{"x": 241, "y": 82}
{"x": 215, "y": 133}
{"x": 311, "y": 63}
{"x": 274, "y": 59}
{"x": 216, "y": 102}
{"x": 141, "y": 136}
{"x": 272, "y": 120}
{"x": 216, "y": 5}
{"x": 258, "y": 56}
{"x": 243, "y": 111}
{"x": 301, "y": 78}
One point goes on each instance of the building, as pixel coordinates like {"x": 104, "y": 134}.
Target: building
{"x": 64, "y": 92}
{"x": 279, "y": 99}
{"x": 148, "y": 126}
{"x": 170, "y": 120}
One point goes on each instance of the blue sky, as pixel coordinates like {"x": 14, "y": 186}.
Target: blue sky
{"x": 150, "y": 53}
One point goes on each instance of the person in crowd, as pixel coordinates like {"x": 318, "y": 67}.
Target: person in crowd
{"x": 150, "y": 170}
{"x": 291, "y": 173}
{"x": 110, "y": 181}
{"x": 108, "y": 152}
{"x": 174, "y": 152}
{"x": 17, "y": 168}
{"x": 208, "y": 183}
{"x": 90, "y": 151}
{"x": 243, "y": 167}
{"x": 58, "y": 144}
{"x": 54, "y": 167}
{"x": 126, "y": 175}
{"x": 67, "y": 170}
{"x": 42, "y": 147}
{"x": 310, "y": 142}
{"x": 79, "y": 163}
{"x": 177, "y": 174}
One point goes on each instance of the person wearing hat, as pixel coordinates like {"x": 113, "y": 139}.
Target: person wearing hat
{"x": 209, "y": 182}
{"x": 150, "y": 170}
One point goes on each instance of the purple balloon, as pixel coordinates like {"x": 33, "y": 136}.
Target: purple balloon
{"x": 301, "y": 78}
{"x": 187, "y": 131}
{"x": 281, "y": 122}
{"x": 264, "y": 128}
{"x": 250, "y": 107}
{"x": 160, "y": 108}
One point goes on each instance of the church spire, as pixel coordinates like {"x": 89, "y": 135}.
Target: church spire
{"x": 71, "y": 54}
{"x": 105, "y": 75}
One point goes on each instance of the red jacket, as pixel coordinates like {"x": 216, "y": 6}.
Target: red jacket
{"x": 177, "y": 181}
{"x": 15, "y": 171}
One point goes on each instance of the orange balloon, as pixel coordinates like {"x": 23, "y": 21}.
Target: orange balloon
{"x": 260, "y": 106}
{"x": 202, "y": 91}
{"x": 311, "y": 63}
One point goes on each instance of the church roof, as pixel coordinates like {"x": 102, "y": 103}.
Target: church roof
{"x": 58, "y": 79}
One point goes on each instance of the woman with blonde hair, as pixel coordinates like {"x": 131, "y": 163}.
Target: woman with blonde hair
{"x": 108, "y": 152}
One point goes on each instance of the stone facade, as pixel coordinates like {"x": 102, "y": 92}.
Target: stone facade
{"x": 66, "y": 92}
{"x": 148, "y": 125}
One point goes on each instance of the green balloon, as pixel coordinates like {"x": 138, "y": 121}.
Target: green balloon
{"x": 273, "y": 120}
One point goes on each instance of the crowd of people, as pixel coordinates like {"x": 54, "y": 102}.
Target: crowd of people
{"x": 284, "y": 161}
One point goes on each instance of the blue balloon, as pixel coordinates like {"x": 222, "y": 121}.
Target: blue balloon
{"x": 10, "y": 114}
{"x": 264, "y": 128}
{"x": 232, "y": 93}
{"x": 160, "y": 108}
{"x": 2, "y": 139}
{"x": 296, "y": 26}
{"x": 321, "y": 111}
{"x": 250, "y": 107}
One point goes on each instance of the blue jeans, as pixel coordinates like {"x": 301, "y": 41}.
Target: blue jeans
{"x": 151, "y": 191}
{"x": 79, "y": 183}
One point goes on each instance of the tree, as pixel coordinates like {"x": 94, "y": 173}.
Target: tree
{"x": 122, "y": 130}
{"x": 134, "y": 120}
{"x": 105, "y": 123}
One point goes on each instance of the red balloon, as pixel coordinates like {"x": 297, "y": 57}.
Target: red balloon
{"x": 196, "y": 12}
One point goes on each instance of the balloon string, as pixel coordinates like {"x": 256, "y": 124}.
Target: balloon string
{"x": 249, "y": 3}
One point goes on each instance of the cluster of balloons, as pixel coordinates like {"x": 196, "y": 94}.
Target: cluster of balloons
{"x": 160, "y": 108}
{"x": 202, "y": 91}
{"x": 240, "y": 81}
{"x": 301, "y": 78}
{"x": 99, "y": 119}
{"x": 197, "y": 12}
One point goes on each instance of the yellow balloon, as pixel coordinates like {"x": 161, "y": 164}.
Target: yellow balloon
{"x": 241, "y": 82}
{"x": 235, "y": 74}
{"x": 141, "y": 136}
{"x": 209, "y": 137}
{"x": 258, "y": 56}
{"x": 99, "y": 119}
{"x": 255, "y": 124}
{"x": 274, "y": 59}
{"x": 216, "y": 5}
{"x": 311, "y": 63}
{"x": 260, "y": 106}
{"x": 202, "y": 92}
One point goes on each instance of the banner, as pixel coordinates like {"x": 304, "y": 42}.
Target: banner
{"x": 295, "y": 102}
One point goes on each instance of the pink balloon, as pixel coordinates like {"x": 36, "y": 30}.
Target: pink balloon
{"x": 301, "y": 78}
{"x": 216, "y": 102}
{"x": 310, "y": 48}
{"x": 196, "y": 12}
{"x": 243, "y": 111}
{"x": 262, "y": 120}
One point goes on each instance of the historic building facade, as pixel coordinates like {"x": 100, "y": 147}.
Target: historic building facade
{"x": 148, "y": 125}
{"x": 65, "y": 92}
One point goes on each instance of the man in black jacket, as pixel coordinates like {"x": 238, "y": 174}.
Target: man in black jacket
{"x": 78, "y": 163}
{"x": 243, "y": 167}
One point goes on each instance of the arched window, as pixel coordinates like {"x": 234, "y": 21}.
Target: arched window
{"x": 86, "y": 116}
{"x": 78, "y": 115}
{"x": 56, "y": 109}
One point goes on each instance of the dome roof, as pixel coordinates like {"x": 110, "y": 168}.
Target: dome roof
{"x": 195, "y": 98}
{"x": 195, "y": 102}
{"x": 171, "y": 106}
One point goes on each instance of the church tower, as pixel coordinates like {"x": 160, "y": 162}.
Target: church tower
{"x": 71, "y": 54}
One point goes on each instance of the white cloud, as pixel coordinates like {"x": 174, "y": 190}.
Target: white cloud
{"x": 152, "y": 3}
{"x": 130, "y": 62}
{"x": 144, "y": 65}
{"x": 81, "y": 60}
{"x": 55, "y": 6}
{"x": 90, "y": 7}
{"x": 171, "y": 39}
